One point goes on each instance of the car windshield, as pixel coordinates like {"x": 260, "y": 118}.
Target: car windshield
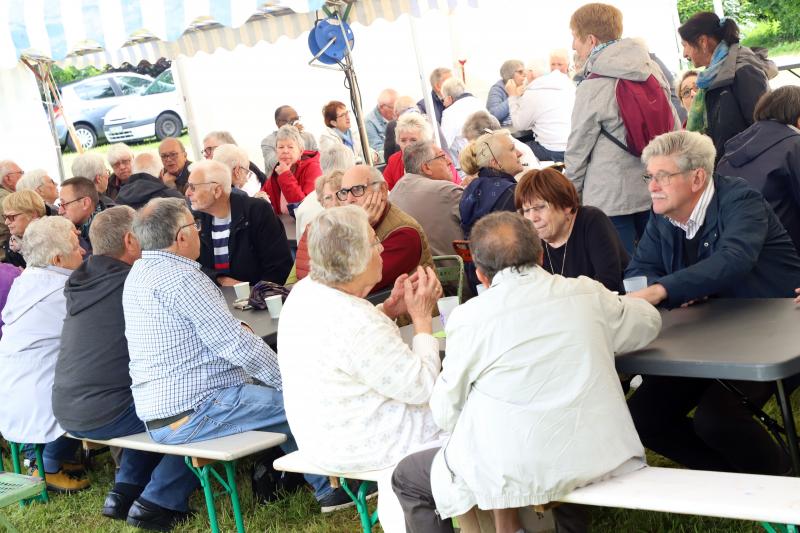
{"x": 162, "y": 84}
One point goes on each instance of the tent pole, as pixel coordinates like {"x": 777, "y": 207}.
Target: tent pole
{"x": 355, "y": 98}
{"x": 423, "y": 81}
{"x": 51, "y": 117}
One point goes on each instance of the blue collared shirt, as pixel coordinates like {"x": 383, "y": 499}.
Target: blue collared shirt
{"x": 184, "y": 344}
{"x": 376, "y": 129}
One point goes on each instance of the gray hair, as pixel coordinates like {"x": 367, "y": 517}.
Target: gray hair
{"x": 214, "y": 171}
{"x": 231, "y": 156}
{"x": 224, "y": 137}
{"x": 156, "y": 224}
{"x": 508, "y": 68}
{"x": 417, "y": 154}
{"x": 339, "y": 244}
{"x": 32, "y": 180}
{"x": 403, "y": 103}
{"x": 147, "y": 163}
{"x": 334, "y": 179}
{"x": 688, "y": 149}
{"x": 287, "y": 132}
{"x": 45, "y": 238}
{"x": 539, "y": 66}
{"x": 108, "y": 229}
{"x": 413, "y": 121}
{"x": 6, "y": 166}
{"x": 88, "y": 166}
{"x": 453, "y": 87}
{"x": 336, "y": 157}
{"x": 503, "y": 240}
{"x": 118, "y": 151}
{"x": 477, "y": 124}
{"x": 438, "y": 74}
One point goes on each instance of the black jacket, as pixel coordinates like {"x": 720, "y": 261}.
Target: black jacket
{"x": 767, "y": 155}
{"x": 257, "y": 246}
{"x": 141, "y": 188}
{"x": 92, "y": 385}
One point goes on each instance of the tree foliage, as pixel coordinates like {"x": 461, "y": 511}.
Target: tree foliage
{"x": 785, "y": 12}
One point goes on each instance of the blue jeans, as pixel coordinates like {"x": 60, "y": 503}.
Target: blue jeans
{"x": 54, "y": 453}
{"x": 236, "y": 410}
{"x": 165, "y": 479}
{"x": 630, "y": 228}
{"x": 543, "y": 154}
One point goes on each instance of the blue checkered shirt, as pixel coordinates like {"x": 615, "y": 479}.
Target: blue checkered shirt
{"x": 184, "y": 344}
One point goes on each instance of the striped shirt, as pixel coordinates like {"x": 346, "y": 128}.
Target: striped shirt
{"x": 698, "y": 216}
{"x": 184, "y": 344}
{"x": 220, "y": 234}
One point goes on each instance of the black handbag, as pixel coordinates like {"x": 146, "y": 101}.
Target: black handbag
{"x": 263, "y": 290}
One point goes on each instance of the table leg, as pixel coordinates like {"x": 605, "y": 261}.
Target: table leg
{"x": 788, "y": 425}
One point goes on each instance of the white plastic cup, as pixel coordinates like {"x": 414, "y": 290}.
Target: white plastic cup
{"x": 242, "y": 290}
{"x": 635, "y": 283}
{"x": 274, "y": 305}
{"x": 446, "y": 306}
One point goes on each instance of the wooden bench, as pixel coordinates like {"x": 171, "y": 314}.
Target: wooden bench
{"x": 201, "y": 457}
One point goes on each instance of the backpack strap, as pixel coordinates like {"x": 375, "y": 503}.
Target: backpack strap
{"x": 615, "y": 140}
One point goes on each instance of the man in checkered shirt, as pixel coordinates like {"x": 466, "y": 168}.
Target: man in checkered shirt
{"x": 193, "y": 365}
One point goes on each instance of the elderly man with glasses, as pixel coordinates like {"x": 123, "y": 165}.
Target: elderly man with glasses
{"x": 242, "y": 238}
{"x": 10, "y": 174}
{"x": 405, "y": 245}
{"x": 176, "y": 167}
{"x": 708, "y": 236}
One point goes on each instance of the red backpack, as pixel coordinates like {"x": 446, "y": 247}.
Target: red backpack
{"x": 645, "y": 111}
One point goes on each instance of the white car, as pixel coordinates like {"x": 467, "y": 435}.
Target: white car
{"x": 158, "y": 112}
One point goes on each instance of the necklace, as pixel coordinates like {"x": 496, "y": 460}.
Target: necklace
{"x": 566, "y": 244}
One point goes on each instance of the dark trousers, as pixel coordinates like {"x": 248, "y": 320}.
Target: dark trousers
{"x": 543, "y": 154}
{"x": 411, "y": 482}
{"x": 630, "y": 228}
{"x": 722, "y": 435}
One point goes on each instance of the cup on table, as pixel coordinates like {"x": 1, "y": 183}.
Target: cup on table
{"x": 635, "y": 283}
{"x": 446, "y": 306}
{"x": 242, "y": 290}
{"x": 274, "y": 305}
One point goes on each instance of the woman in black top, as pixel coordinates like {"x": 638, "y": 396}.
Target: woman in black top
{"x": 577, "y": 240}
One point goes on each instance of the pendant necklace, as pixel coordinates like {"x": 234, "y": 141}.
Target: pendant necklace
{"x": 564, "y": 258}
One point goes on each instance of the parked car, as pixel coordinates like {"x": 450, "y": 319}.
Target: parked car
{"x": 86, "y": 103}
{"x": 158, "y": 112}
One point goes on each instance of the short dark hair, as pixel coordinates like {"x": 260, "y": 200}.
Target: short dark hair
{"x": 503, "y": 240}
{"x": 709, "y": 24}
{"x": 548, "y": 184}
{"x": 781, "y": 105}
{"x": 330, "y": 110}
{"x": 83, "y": 187}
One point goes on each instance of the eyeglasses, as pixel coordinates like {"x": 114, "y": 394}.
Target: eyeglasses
{"x": 440, "y": 156}
{"x": 170, "y": 155}
{"x": 11, "y": 217}
{"x": 208, "y": 151}
{"x": 193, "y": 186}
{"x": 197, "y": 225}
{"x": 356, "y": 190}
{"x": 65, "y": 204}
{"x": 686, "y": 93}
{"x": 327, "y": 198}
{"x": 537, "y": 209}
{"x": 343, "y": 114}
{"x": 661, "y": 179}
{"x": 519, "y": 71}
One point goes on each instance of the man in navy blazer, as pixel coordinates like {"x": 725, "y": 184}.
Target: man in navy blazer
{"x": 708, "y": 236}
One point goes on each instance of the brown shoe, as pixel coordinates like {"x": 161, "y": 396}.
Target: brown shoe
{"x": 73, "y": 468}
{"x": 62, "y": 481}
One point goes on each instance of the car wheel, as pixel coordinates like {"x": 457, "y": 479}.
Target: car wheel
{"x": 168, "y": 125}
{"x": 86, "y": 137}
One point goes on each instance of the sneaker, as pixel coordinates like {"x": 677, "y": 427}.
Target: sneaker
{"x": 62, "y": 481}
{"x": 339, "y": 499}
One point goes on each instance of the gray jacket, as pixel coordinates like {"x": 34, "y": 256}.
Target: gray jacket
{"x": 605, "y": 175}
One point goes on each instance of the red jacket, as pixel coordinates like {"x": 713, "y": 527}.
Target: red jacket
{"x": 295, "y": 183}
{"x": 395, "y": 170}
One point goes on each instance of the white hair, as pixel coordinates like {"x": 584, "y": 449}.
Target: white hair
{"x": 222, "y": 136}
{"x": 688, "y": 149}
{"x": 287, "y": 132}
{"x": 215, "y": 171}
{"x": 88, "y": 166}
{"x": 117, "y": 152}
{"x": 32, "y": 180}
{"x": 339, "y": 244}
{"x": 413, "y": 121}
{"x": 539, "y": 66}
{"x": 231, "y": 156}
{"x": 6, "y": 167}
{"x": 45, "y": 238}
{"x": 453, "y": 87}
{"x": 336, "y": 157}
{"x": 147, "y": 163}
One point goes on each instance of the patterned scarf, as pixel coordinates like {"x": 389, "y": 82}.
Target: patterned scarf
{"x": 698, "y": 118}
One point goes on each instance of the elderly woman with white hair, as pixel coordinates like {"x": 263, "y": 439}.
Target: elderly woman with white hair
{"x": 236, "y": 159}
{"x": 512, "y": 76}
{"x": 120, "y": 157}
{"x": 371, "y": 390}
{"x": 293, "y": 177}
{"x": 40, "y": 182}
{"x": 33, "y": 316}
{"x": 19, "y": 210}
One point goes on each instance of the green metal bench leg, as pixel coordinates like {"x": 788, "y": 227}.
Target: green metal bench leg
{"x": 16, "y": 448}
{"x": 230, "y": 473}
{"x": 367, "y": 521}
{"x": 779, "y": 528}
{"x": 205, "y": 482}
{"x": 204, "y": 474}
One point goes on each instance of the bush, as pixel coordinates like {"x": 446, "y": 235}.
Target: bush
{"x": 787, "y": 12}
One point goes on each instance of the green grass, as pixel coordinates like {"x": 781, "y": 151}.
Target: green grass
{"x": 766, "y": 35}
{"x": 298, "y": 513}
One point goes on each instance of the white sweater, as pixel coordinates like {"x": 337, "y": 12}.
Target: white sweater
{"x": 546, "y": 108}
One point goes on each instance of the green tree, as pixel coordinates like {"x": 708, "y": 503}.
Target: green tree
{"x": 740, "y": 10}
{"x": 785, "y": 12}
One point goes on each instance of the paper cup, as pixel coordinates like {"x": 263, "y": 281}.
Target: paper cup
{"x": 636, "y": 283}
{"x": 242, "y": 290}
{"x": 446, "y": 306}
{"x": 274, "y": 305}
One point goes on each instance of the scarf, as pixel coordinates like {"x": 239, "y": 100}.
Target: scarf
{"x": 345, "y": 136}
{"x": 698, "y": 119}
